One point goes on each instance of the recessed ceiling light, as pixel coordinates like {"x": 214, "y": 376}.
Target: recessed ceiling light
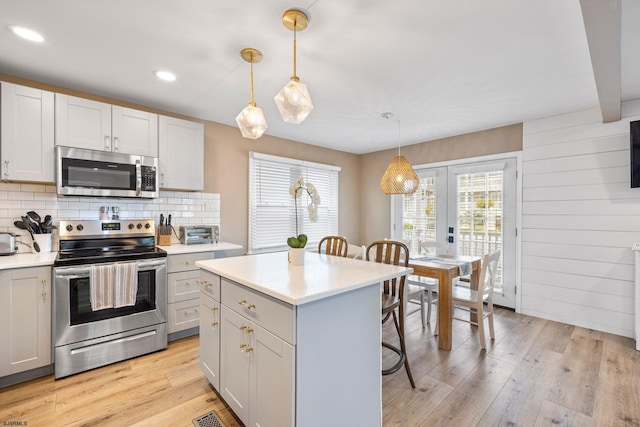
{"x": 165, "y": 75}
{"x": 26, "y": 33}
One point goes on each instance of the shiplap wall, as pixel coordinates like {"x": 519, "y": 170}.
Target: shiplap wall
{"x": 579, "y": 220}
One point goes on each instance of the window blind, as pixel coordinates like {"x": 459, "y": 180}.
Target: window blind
{"x": 272, "y": 209}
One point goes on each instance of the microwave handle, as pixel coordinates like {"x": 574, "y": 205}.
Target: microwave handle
{"x": 138, "y": 178}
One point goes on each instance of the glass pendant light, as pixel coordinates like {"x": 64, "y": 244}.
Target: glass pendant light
{"x": 251, "y": 119}
{"x": 399, "y": 178}
{"x": 293, "y": 101}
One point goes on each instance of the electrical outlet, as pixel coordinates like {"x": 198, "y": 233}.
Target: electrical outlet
{"x": 635, "y": 247}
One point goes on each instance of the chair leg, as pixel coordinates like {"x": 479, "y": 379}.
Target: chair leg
{"x": 483, "y": 342}
{"x": 492, "y": 333}
{"x": 424, "y": 324}
{"x": 429, "y": 298}
{"x": 403, "y": 348}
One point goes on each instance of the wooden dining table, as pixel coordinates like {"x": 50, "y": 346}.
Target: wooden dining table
{"x": 445, "y": 272}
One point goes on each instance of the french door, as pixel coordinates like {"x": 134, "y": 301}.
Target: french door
{"x": 472, "y": 208}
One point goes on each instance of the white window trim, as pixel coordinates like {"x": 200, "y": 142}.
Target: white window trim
{"x": 330, "y": 203}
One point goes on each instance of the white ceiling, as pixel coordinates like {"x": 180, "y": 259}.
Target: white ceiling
{"x": 443, "y": 67}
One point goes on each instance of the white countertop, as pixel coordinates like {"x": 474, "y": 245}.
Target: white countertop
{"x": 321, "y": 276}
{"x": 22, "y": 260}
{"x": 187, "y": 249}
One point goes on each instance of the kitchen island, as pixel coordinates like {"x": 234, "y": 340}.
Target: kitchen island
{"x": 295, "y": 345}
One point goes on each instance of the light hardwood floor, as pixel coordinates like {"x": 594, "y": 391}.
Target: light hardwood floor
{"x": 535, "y": 373}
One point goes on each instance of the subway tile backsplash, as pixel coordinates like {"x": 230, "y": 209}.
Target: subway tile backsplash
{"x": 185, "y": 208}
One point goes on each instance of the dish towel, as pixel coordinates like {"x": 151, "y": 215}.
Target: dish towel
{"x": 465, "y": 267}
{"x": 126, "y": 284}
{"x": 101, "y": 288}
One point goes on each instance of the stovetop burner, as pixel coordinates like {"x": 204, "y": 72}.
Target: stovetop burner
{"x": 93, "y": 241}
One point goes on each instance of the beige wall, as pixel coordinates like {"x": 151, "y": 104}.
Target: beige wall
{"x": 365, "y": 212}
{"x": 376, "y": 206}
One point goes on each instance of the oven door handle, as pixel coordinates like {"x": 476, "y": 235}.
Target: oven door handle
{"x": 152, "y": 264}
{"x": 73, "y": 272}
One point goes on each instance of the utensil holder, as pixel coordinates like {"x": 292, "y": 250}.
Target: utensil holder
{"x": 44, "y": 241}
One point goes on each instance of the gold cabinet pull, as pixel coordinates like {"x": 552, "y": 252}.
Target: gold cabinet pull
{"x": 248, "y": 350}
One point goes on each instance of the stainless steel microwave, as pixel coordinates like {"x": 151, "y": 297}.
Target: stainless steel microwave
{"x": 82, "y": 172}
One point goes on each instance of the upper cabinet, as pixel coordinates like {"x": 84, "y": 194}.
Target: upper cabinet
{"x": 27, "y": 133}
{"x": 84, "y": 123}
{"x": 181, "y": 154}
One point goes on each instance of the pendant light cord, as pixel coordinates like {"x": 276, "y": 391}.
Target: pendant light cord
{"x": 295, "y": 24}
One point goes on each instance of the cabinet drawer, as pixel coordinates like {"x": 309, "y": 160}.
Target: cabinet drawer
{"x": 183, "y": 315}
{"x": 186, "y": 262}
{"x": 275, "y": 316}
{"x": 210, "y": 284}
{"x": 183, "y": 286}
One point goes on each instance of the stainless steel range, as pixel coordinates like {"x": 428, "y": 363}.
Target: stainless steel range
{"x": 110, "y": 294}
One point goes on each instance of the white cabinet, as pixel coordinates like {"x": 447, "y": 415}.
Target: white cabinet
{"x": 27, "y": 139}
{"x": 181, "y": 157}
{"x": 183, "y": 299}
{"x": 85, "y": 123}
{"x": 256, "y": 366}
{"x": 25, "y": 319}
{"x": 209, "y": 352}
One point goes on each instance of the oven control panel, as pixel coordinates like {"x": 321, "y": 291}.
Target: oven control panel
{"x": 79, "y": 229}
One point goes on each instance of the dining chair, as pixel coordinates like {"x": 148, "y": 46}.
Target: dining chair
{"x": 393, "y": 297}
{"x": 333, "y": 245}
{"x": 356, "y": 252}
{"x": 475, "y": 299}
{"x": 419, "y": 286}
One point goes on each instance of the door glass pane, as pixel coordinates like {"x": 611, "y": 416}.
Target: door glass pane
{"x": 419, "y": 214}
{"x": 480, "y": 214}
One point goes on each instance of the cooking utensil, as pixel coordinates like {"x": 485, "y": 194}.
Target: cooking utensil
{"x": 37, "y": 220}
{"x": 35, "y": 227}
{"x": 27, "y": 226}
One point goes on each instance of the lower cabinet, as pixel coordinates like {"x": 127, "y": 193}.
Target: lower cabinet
{"x": 256, "y": 372}
{"x": 210, "y": 339}
{"x": 25, "y": 319}
{"x": 183, "y": 299}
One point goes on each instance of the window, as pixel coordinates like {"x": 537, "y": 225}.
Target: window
{"x": 272, "y": 212}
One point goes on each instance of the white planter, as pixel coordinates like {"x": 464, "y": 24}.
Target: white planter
{"x": 296, "y": 256}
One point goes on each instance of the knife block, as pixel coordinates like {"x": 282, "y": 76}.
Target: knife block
{"x": 163, "y": 239}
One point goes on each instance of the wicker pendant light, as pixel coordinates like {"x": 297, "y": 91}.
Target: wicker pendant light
{"x": 399, "y": 178}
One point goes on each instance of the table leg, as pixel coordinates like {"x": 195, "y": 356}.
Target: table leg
{"x": 444, "y": 309}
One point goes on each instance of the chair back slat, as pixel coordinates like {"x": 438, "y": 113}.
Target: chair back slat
{"x": 333, "y": 245}
{"x": 393, "y": 253}
{"x": 488, "y": 273}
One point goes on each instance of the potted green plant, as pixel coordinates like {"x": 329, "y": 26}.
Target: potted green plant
{"x": 299, "y": 241}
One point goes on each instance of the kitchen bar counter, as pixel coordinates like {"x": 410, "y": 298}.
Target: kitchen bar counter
{"x": 322, "y": 276}
{"x": 297, "y": 345}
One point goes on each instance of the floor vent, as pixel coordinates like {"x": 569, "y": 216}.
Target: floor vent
{"x": 210, "y": 419}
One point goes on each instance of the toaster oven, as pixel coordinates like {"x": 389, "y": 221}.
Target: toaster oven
{"x": 199, "y": 234}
